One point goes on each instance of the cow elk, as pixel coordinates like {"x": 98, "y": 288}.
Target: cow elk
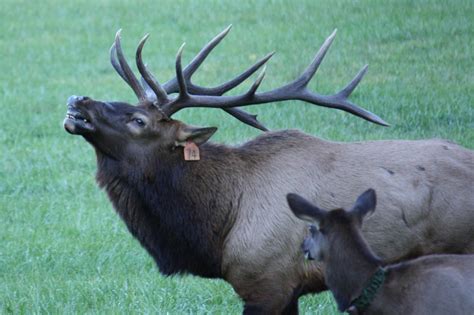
{"x": 435, "y": 284}
{"x": 217, "y": 211}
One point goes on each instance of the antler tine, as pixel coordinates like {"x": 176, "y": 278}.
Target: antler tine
{"x": 115, "y": 64}
{"x": 172, "y": 85}
{"x": 246, "y": 118}
{"x": 183, "y": 90}
{"x": 296, "y": 90}
{"x": 309, "y": 72}
{"x": 257, "y": 82}
{"x": 160, "y": 93}
{"x": 205, "y": 51}
{"x": 229, "y": 85}
{"x": 345, "y": 92}
{"x": 242, "y": 115}
{"x": 127, "y": 71}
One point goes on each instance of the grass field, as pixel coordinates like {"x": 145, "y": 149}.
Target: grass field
{"x": 63, "y": 250}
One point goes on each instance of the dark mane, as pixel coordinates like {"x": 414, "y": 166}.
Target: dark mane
{"x": 182, "y": 229}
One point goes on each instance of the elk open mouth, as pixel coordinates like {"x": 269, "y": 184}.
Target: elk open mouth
{"x": 77, "y": 123}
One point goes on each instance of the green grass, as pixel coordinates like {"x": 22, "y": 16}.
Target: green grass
{"x": 62, "y": 247}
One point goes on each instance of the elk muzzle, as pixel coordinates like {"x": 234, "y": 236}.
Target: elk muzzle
{"x": 77, "y": 120}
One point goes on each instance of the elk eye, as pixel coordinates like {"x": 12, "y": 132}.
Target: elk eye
{"x": 139, "y": 122}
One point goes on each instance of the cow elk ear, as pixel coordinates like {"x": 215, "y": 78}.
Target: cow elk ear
{"x": 365, "y": 204}
{"x": 305, "y": 210}
{"x": 198, "y": 135}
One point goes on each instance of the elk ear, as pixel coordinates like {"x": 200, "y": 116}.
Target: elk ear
{"x": 365, "y": 204}
{"x": 198, "y": 135}
{"x": 304, "y": 209}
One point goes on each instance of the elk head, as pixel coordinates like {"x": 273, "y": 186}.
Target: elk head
{"x": 326, "y": 226}
{"x": 118, "y": 129}
{"x": 115, "y": 127}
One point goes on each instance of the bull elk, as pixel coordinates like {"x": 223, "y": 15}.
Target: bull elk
{"x": 361, "y": 284}
{"x": 218, "y": 216}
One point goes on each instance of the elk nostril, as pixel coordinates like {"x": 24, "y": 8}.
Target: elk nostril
{"x": 74, "y": 99}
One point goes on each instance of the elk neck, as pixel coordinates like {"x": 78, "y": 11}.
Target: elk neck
{"x": 349, "y": 267}
{"x": 180, "y": 211}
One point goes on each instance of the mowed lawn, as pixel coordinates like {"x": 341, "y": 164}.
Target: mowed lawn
{"x": 63, "y": 250}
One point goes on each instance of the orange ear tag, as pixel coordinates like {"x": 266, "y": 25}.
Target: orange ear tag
{"x": 191, "y": 152}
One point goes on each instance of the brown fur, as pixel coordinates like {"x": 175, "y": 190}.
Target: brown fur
{"x": 436, "y": 284}
{"x": 225, "y": 216}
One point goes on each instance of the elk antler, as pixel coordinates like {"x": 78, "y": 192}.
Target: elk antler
{"x": 191, "y": 95}
{"x": 152, "y": 90}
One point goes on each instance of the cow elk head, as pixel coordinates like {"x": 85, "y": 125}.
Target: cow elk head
{"x": 331, "y": 227}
